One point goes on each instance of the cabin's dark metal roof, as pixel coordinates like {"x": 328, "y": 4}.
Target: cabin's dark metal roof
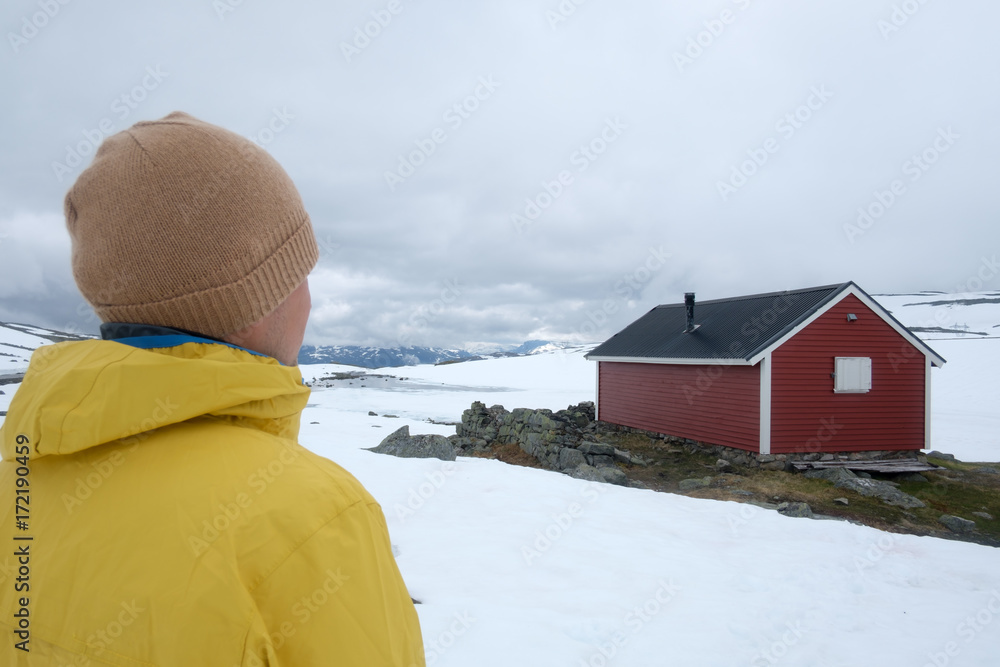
{"x": 735, "y": 328}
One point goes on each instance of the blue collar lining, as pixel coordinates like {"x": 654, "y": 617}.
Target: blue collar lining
{"x": 173, "y": 340}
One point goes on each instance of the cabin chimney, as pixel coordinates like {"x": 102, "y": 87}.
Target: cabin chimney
{"x": 689, "y": 306}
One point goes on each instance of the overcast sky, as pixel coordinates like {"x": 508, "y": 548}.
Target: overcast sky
{"x": 499, "y": 171}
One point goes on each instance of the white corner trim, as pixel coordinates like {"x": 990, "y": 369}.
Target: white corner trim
{"x": 765, "y": 404}
{"x": 597, "y": 394}
{"x": 927, "y": 405}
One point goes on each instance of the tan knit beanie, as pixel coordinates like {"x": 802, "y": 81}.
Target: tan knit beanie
{"x": 183, "y": 224}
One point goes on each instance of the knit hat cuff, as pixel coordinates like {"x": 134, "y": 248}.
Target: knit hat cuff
{"x": 263, "y": 290}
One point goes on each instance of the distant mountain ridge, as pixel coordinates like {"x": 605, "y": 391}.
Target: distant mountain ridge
{"x": 394, "y": 357}
{"x": 18, "y": 341}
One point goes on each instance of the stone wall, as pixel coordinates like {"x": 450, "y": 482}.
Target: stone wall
{"x": 566, "y": 440}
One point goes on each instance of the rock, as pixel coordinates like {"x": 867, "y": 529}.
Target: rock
{"x": 425, "y": 446}
{"x": 722, "y": 465}
{"x": 983, "y": 515}
{"x": 798, "y": 510}
{"x": 636, "y": 484}
{"x": 842, "y": 501}
{"x": 887, "y": 492}
{"x": 570, "y": 458}
{"x": 391, "y": 416}
{"x": 588, "y": 473}
{"x": 863, "y": 475}
{"x": 957, "y": 524}
{"x": 766, "y": 458}
{"x": 941, "y": 455}
{"x": 884, "y": 491}
{"x": 623, "y": 457}
{"x": 696, "y": 483}
{"x": 987, "y": 470}
{"x": 372, "y": 413}
{"x": 602, "y": 461}
{"x": 834, "y": 475}
{"x": 468, "y": 444}
{"x": 828, "y": 457}
{"x": 597, "y": 448}
{"x": 773, "y": 465}
{"x": 910, "y": 477}
{"x": 614, "y": 475}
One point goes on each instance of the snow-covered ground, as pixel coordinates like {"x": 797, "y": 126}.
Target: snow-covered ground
{"x": 965, "y": 330}
{"x": 516, "y": 566}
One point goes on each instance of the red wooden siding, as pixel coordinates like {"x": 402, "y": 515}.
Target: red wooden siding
{"x": 714, "y": 404}
{"x": 806, "y": 415}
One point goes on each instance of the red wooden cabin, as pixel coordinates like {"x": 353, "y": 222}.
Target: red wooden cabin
{"x": 825, "y": 369}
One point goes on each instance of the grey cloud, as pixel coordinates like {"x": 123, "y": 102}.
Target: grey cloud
{"x": 386, "y": 254}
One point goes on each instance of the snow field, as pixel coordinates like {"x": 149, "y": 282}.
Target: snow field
{"x": 517, "y": 566}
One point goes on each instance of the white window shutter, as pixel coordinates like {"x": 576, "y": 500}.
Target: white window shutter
{"x": 852, "y": 375}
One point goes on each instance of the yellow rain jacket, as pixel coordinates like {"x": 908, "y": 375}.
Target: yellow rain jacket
{"x": 156, "y": 509}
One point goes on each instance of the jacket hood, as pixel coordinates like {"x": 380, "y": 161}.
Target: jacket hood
{"x": 82, "y": 394}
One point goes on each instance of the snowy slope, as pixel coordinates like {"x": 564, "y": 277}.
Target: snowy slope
{"x": 965, "y": 330}
{"x": 518, "y": 566}
{"x": 936, "y": 316}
